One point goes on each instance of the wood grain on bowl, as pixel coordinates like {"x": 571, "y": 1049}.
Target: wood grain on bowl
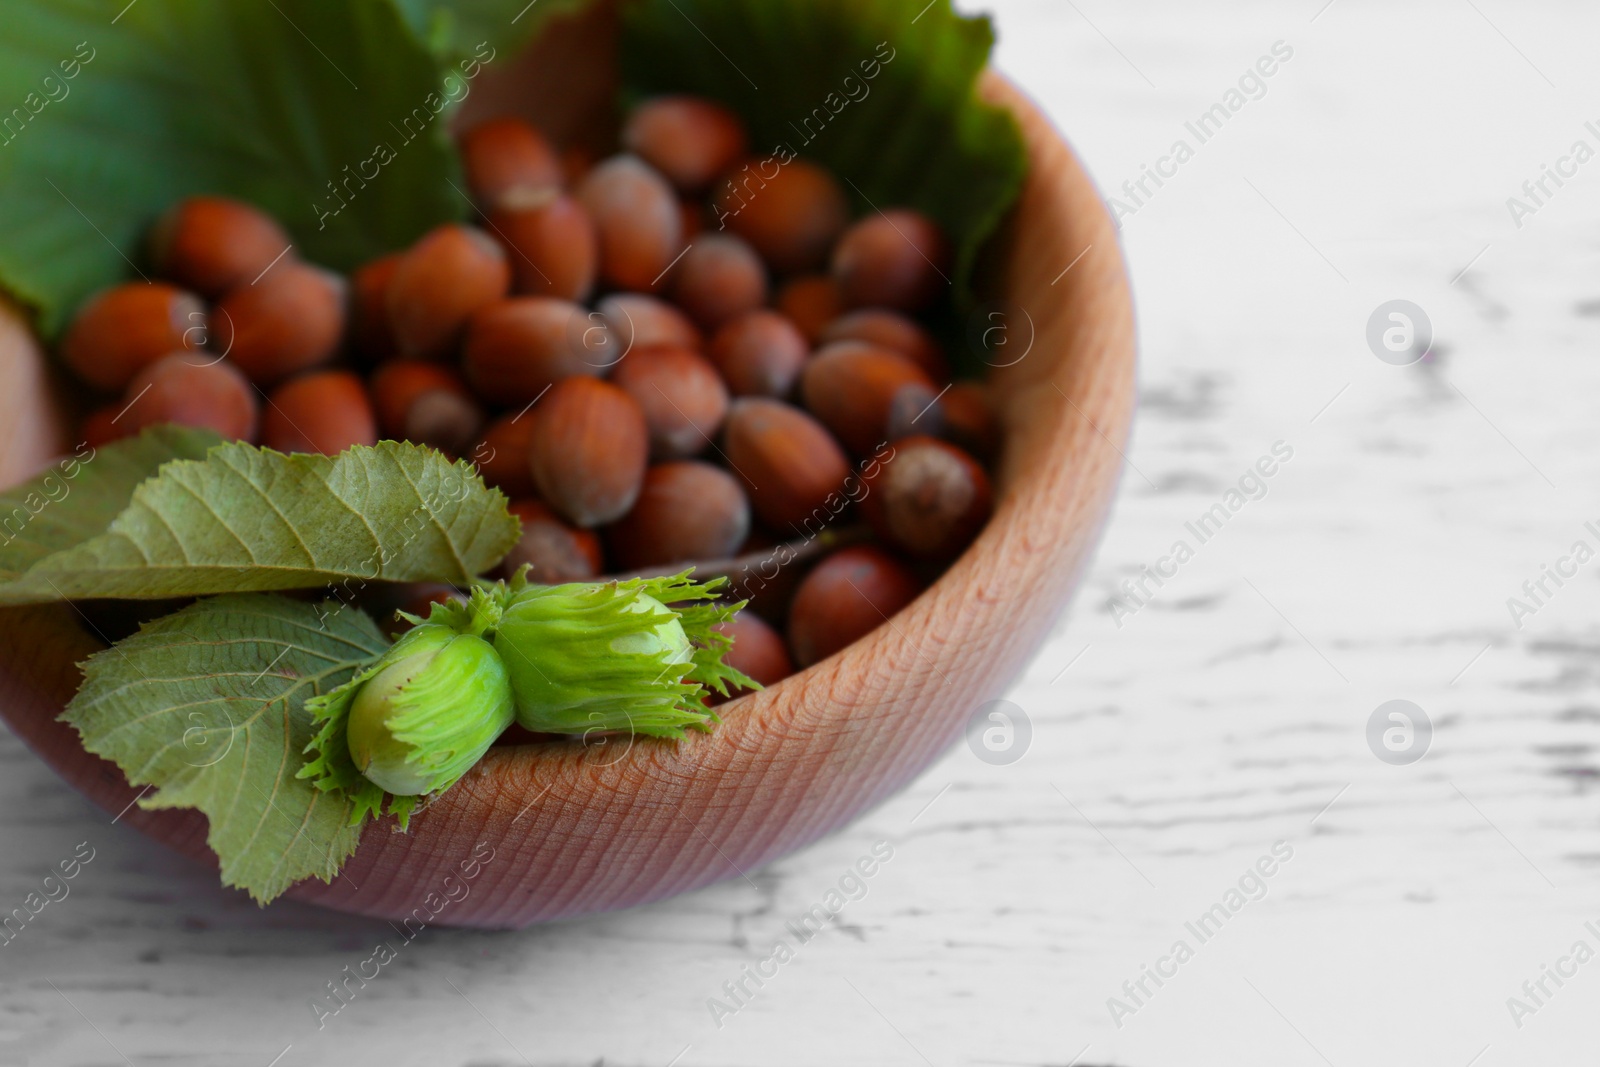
{"x": 577, "y": 830}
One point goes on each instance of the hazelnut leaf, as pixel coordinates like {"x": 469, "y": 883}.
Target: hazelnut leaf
{"x": 297, "y": 106}
{"x": 247, "y": 519}
{"x": 453, "y": 29}
{"x": 208, "y": 706}
{"x": 76, "y": 498}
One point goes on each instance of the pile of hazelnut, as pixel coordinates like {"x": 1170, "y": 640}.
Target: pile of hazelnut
{"x": 679, "y": 354}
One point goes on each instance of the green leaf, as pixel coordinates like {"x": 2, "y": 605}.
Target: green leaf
{"x": 265, "y": 100}
{"x": 917, "y": 136}
{"x": 455, "y": 28}
{"x": 247, "y": 519}
{"x": 78, "y": 497}
{"x": 208, "y": 706}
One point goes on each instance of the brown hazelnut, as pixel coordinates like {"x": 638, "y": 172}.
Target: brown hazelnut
{"x": 757, "y": 650}
{"x": 396, "y": 387}
{"x": 687, "y": 511}
{"x": 760, "y": 353}
{"x": 516, "y": 349}
{"x": 290, "y": 320}
{"x": 122, "y": 330}
{"x": 718, "y": 278}
{"x": 969, "y": 419}
{"x": 683, "y": 399}
{"x": 444, "y": 419}
{"x": 895, "y": 259}
{"x": 502, "y": 456}
{"x": 104, "y": 424}
{"x": 791, "y": 212}
{"x": 325, "y": 412}
{"x": 504, "y": 154}
{"x": 894, "y": 331}
{"x": 851, "y": 387}
{"x": 550, "y": 242}
{"x": 689, "y": 139}
{"x": 927, "y": 499}
{"x": 440, "y": 283}
{"x": 793, "y": 469}
{"x": 588, "y": 450}
{"x": 636, "y": 215}
{"x": 811, "y": 301}
{"x": 212, "y": 244}
{"x": 635, "y": 320}
{"x": 846, "y": 597}
{"x": 191, "y": 390}
{"x": 553, "y": 551}
{"x": 369, "y": 308}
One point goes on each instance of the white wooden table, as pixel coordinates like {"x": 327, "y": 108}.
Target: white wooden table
{"x": 1168, "y": 754}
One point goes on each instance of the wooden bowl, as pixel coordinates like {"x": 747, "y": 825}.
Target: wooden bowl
{"x": 578, "y": 830}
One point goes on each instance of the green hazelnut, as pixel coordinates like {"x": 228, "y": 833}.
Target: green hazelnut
{"x": 436, "y": 703}
{"x": 611, "y": 657}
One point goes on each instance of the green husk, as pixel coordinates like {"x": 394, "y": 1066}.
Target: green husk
{"x": 573, "y": 659}
{"x": 454, "y": 702}
{"x": 577, "y": 665}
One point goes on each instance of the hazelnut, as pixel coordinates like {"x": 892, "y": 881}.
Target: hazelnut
{"x": 588, "y": 450}
{"x": 104, "y": 424}
{"x": 452, "y": 273}
{"x": 895, "y": 259}
{"x": 289, "y": 321}
{"x": 191, "y": 390}
{"x": 851, "y": 387}
{"x": 396, "y": 387}
{"x": 550, "y": 241}
{"x": 502, "y": 456}
{"x": 757, "y": 650}
{"x": 516, "y": 349}
{"x": 554, "y": 551}
{"x": 504, "y": 154}
{"x": 811, "y": 301}
{"x": 688, "y": 139}
{"x": 718, "y": 278}
{"x": 212, "y": 244}
{"x": 120, "y": 331}
{"x": 969, "y": 419}
{"x": 635, "y": 320}
{"x": 687, "y": 511}
{"x": 444, "y": 419}
{"x": 760, "y": 353}
{"x": 929, "y": 499}
{"x": 914, "y": 409}
{"x": 636, "y": 215}
{"x": 325, "y": 412}
{"x": 683, "y": 399}
{"x": 894, "y": 331}
{"x": 791, "y": 212}
{"x": 369, "y": 308}
{"x": 846, "y": 597}
{"x": 791, "y": 466}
